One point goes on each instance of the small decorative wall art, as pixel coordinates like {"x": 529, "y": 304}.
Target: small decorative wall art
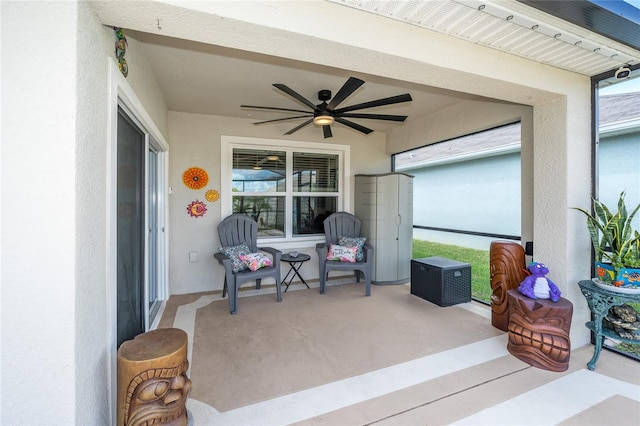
{"x": 121, "y": 48}
{"x": 195, "y": 178}
{"x": 212, "y": 195}
{"x": 197, "y": 208}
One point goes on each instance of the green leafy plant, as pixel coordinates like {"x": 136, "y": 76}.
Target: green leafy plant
{"x": 613, "y": 239}
{"x": 632, "y": 257}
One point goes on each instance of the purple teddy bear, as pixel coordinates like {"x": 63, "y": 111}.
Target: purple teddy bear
{"x": 537, "y": 286}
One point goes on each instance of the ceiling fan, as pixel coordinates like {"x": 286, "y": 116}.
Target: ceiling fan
{"x": 269, "y": 158}
{"x": 324, "y": 114}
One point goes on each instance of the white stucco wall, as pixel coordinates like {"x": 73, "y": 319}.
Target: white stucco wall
{"x": 92, "y": 348}
{"x": 195, "y": 141}
{"x": 562, "y": 171}
{"x": 143, "y": 82}
{"x": 57, "y": 356}
{"x": 38, "y": 213}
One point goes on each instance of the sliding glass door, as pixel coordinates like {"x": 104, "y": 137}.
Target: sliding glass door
{"x": 140, "y": 230}
{"x": 153, "y": 238}
{"x": 130, "y": 229}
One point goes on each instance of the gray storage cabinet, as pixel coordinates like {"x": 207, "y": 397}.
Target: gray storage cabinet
{"x": 384, "y": 204}
{"x": 444, "y": 282}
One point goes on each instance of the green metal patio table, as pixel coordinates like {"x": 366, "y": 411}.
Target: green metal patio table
{"x": 600, "y": 301}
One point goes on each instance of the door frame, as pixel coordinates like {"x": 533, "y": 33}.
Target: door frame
{"x": 122, "y": 95}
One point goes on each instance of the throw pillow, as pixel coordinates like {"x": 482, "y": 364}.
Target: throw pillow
{"x": 341, "y": 253}
{"x": 234, "y": 253}
{"x": 357, "y": 242}
{"x": 255, "y": 261}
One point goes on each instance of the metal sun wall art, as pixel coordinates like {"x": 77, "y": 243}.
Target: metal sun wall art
{"x": 197, "y": 208}
{"x": 195, "y": 178}
{"x": 121, "y": 48}
{"x": 212, "y": 195}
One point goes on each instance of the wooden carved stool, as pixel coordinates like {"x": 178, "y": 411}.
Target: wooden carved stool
{"x": 507, "y": 265}
{"x": 152, "y": 379}
{"x": 539, "y": 331}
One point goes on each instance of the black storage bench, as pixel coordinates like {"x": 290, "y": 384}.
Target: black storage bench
{"x": 444, "y": 282}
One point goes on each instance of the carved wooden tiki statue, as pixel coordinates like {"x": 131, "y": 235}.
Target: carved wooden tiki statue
{"x": 152, "y": 379}
{"x": 508, "y": 267}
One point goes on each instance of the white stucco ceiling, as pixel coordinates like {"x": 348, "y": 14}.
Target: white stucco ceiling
{"x": 206, "y": 78}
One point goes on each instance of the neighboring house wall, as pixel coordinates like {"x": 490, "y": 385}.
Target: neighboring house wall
{"x": 468, "y": 118}
{"x": 480, "y": 195}
{"x": 619, "y": 170}
{"x": 618, "y": 156}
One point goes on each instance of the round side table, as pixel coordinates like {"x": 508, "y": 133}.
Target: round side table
{"x": 294, "y": 267}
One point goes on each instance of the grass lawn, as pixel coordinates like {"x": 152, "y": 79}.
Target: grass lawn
{"x": 478, "y": 259}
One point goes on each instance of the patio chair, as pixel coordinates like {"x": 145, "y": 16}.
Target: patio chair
{"x": 343, "y": 224}
{"x": 234, "y": 231}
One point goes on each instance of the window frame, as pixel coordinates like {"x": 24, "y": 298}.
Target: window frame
{"x": 228, "y": 143}
{"x": 597, "y": 82}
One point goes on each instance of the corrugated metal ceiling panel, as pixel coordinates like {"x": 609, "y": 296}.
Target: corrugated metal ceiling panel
{"x": 493, "y": 25}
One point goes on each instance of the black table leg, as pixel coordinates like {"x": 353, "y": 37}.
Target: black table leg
{"x": 293, "y": 271}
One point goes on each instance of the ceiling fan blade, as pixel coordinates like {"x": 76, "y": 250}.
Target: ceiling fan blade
{"x": 345, "y": 91}
{"x": 273, "y": 108}
{"x": 295, "y": 129}
{"x": 295, "y": 95}
{"x": 282, "y": 119}
{"x": 380, "y": 102}
{"x": 375, "y": 116}
{"x": 353, "y": 125}
{"x": 327, "y": 131}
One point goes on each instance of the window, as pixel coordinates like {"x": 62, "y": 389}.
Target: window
{"x": 287, "y": 187}
{"x": 616, "y": 153}
{"x": 617, "y": 150}
{"x": 453, "y": 179}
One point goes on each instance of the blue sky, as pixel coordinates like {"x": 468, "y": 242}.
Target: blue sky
{"x": 627, "y": 86}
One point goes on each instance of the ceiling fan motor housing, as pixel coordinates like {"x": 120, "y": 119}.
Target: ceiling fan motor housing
{"x": 324, "y": 95}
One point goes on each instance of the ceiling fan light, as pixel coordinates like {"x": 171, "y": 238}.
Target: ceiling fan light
{"x": 323, "y": 120}
{"x": 273, "y": 158}
{"x": 256, "y": 167}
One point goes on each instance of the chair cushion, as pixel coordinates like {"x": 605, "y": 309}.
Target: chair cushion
{"x": 357, "y": 242}
{"x": 234, "y": 253}
{"x": 341, "y": 253}
{"x": 255, "y": 261}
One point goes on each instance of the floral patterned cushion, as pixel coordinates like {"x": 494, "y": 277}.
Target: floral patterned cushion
{"x": 255, "y": 261}
{"x": 341, "y": 253}
{"x": 357, "y": 242}
{"x": 234, "y": 253}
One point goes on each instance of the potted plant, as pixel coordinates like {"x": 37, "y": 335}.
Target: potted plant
{"x": 615, "y": 243}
